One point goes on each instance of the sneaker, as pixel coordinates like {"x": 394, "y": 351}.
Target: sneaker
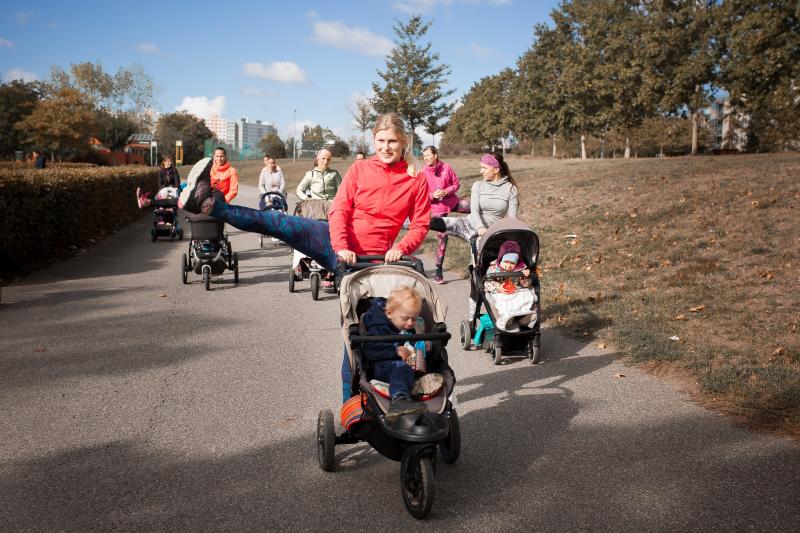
{"x": 198, "y": 186}
{"x": 403, "y": 405}
{"x": 438, "y": 277}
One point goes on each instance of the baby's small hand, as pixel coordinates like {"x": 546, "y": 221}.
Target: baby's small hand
{"x": 403, "y": 352}
{"x": 526, "y": 272}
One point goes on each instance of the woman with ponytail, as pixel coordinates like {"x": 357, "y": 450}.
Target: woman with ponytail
{"x": 492, "y": 198}
{"x": 374, "y": 199}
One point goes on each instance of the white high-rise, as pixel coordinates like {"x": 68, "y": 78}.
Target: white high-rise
{"x": 224, "y": 130}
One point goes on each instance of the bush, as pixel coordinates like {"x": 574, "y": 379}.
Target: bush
{"x": 45, "y": 212}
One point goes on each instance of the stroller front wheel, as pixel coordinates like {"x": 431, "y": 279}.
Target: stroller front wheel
{"x": 450, "y": 447}
{"x": 417, "y": 483}
{"x": 466, "y": 338}
{"x": 207, "y": 277}
{"x": 326, "y": 440}
{"x": 315, "y": 282}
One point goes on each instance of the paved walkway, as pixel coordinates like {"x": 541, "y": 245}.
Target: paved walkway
{"x": 129, "y": 401}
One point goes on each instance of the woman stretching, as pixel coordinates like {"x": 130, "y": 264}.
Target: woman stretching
{"x": 376, "y": 196}
{"x": 492, "y": 198}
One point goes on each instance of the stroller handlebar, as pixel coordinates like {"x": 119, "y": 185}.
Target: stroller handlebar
{"x": 366, "y": 261}
{"x": 361, "y": 339}
{"x": 505, "y": 275}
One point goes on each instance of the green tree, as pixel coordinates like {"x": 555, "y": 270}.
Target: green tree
{"x": 60, "y": 124}
{"x": 114, "y": 129}
{"x": 273, "y": 146}
{"x": 339, "y": 148}
{"x": 315, "y": 137}
{"x": 17, "y": 100}
{"x": 682, "y": 56}
{"x": 413, "y": 82}
{"x": 483, "y": 117}
{"x": 184, "y": 127}
{"x": 760, "y": 68}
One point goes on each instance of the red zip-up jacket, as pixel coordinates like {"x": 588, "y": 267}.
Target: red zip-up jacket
{"x": 226, "y": 179}
{"x": 371, "y": 205}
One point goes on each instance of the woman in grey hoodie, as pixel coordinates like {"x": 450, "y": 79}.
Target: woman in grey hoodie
{"x": 492, "y": 198}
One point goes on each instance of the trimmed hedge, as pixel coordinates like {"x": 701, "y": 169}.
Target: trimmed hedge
{"x": 45, "y": 212}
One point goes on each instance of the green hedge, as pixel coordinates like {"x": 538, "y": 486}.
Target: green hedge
{"x": 43, "y": 213}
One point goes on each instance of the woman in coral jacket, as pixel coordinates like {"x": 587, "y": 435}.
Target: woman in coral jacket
{"x": 224, "y": 177}
{"x": 375, "y": 198}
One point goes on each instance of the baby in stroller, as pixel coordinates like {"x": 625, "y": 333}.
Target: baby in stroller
{"x": 511, "y": 298}
{"x": 391, "y": 362}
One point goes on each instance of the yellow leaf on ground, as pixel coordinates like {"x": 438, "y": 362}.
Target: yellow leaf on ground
{"x": 601, "y": 346}
{"x": 162, "y": 295}
{"x": 680, "y": 317}
{"x": 779, "y": 351}
{"x": 618, "y": 376}
{"x": 697, "y": 308}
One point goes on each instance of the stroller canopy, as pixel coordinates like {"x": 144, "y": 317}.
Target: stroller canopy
{"x": 508, "y": 229}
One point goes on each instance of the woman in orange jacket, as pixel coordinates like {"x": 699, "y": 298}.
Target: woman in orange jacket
{"x": 224, "y": 177}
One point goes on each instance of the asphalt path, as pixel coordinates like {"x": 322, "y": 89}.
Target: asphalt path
{"x": 129, "y": 401}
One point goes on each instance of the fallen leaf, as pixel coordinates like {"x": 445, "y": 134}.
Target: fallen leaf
{"x": 674, "y": 338}
{"x": 779, "y": 351}
{"x": 769, "y": 274}
{"x": 697, "y": 308}
{"x": 680, "y": 317}
{"x": 618, "y": 376}
{"x": 40, "y": 349}
{"x": 754, "y": 203}
{"x": 601, "y": 346}
{"x": 162, "y": 295}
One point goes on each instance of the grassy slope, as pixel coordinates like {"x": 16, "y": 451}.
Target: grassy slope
{"x": 703, "y": 249}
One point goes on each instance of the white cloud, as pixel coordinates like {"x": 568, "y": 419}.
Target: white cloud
{"x": 360, "y": 40}
{"x": 23, "y": 17}
{"x": 312, "y": 14}
{"x": 282, "y": 71}
{"x": 479, "y": 51}
{"x": 147, "y": 48}
{"x": 19, "y": 74}
{"x": 201, "y": 106}
{"x": 5, "y": 43}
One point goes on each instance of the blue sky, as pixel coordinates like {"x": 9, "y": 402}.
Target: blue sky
{"x": 262, "y": 60}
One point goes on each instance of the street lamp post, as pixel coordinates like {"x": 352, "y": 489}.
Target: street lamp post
{"x": 294, "y": 141}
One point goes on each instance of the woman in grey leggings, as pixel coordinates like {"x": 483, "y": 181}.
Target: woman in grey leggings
{"x": 492, "y": 198}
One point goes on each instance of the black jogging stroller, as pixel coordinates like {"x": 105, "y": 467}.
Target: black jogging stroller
{"x": 481, "y": 330}
{"x": 411, "y": 439}
{"x": 210, "y": 252}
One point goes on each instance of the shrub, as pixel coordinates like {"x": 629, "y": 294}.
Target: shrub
{"x": 45, "y": 212}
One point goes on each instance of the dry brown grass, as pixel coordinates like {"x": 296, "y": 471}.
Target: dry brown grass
{"x": 703, "y": 249}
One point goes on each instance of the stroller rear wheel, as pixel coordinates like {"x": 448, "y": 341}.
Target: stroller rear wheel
{"x": 417, "y": 483}
{"x": 235, "y": 267}
{"x": 533, "y": 353}
{"x": 153, "y": 235}
{"x": 291, "y": 279}
{"x": 497, "y": 355}
{"x": 326, "y": 440}
{"x": 184, "y": 269}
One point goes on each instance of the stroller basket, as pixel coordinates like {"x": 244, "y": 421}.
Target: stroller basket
{"x": 206, "y": 228}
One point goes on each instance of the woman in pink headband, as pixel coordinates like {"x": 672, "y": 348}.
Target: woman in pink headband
{"x": 492, "y": 198}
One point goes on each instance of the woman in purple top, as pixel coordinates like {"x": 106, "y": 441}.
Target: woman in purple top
{"x": 442, "y": 186}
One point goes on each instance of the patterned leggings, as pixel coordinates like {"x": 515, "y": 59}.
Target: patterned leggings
{"x": 311, "y": 237}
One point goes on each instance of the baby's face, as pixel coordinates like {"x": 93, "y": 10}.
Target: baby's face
{"x": 404, "y": 316}
{"x": 508, "y": 265}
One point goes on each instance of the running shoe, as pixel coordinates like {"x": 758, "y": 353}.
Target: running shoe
{"x": 438, "y": 279}
{"x": 403, "y": 405}
{"x": 198, "y": 186}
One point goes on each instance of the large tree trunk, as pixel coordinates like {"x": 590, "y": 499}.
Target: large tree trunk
{"x": 695, "y": 120}
{"x": 583, "y": 146}
{"x": 627, "y": 147}
{"x": 554, "y": 145}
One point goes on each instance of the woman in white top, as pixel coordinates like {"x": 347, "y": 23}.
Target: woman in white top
{"x": 271, "y": 180}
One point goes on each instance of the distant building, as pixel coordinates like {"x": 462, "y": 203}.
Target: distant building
{"x": 728, "y": 128}
{"x": 252, "y": 133}
{"x": 226, "y": 131}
